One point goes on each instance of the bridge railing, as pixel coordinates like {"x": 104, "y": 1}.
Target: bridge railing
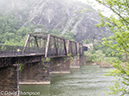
{"x": 31, "y": 50}
{"x": 6, "y": 50}
{"x": 46, "y": 44}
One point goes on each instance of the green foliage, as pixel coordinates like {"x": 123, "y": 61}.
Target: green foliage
{"x": 44, "y": 75}
{"x": 70, "y": 57}
{"x": 118, "y": 24}
{"x": 19, "y": 36}
{"x": 58, "y": 66}
{"x": 47, "y": 59}
{"x": 90, "y": 57}
{"x": 69, "y": 36}
{"x": 8, "y": 27}
{"x": 87, "y": 41}
{"x": 37, "y": 72}
{"x": 99, "y": 54}
{"x": 14, "y": 33}
{"x": 55, "y": 32}
{"x": 99, "y": 57}
{"x": 42, "y": 61}
{"x": 11, "y": 31}
{"x": 43, "y": 68}
{"x": 121, "y": 72}
{"x": 21, "y": 67}
{"x": 106, "y": 50}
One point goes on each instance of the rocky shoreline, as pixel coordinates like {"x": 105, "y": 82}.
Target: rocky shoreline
{"x": 106, "y": 65}
{"x": 103, "y": 64}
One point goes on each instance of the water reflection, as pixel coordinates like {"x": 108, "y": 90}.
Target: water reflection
{"x": 86, "y": 81}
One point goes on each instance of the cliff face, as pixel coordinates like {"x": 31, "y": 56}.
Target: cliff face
{"x": 64, "y": 15}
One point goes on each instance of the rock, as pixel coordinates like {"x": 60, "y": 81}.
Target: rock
{"x": 61, "y": 15}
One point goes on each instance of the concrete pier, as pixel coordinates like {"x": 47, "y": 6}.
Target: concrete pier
{"x": 35, "y": 73}
{"x": 60, "y": 65}
{"x": 9, "y": 81}
{"x": 75, "y": 62}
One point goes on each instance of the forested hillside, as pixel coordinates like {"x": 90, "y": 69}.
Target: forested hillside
{"x": 71, "y": 20}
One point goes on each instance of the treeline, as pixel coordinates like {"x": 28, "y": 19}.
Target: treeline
{"x": 68, "y": 35}
{"x": 104, "y": 56}
{"x": 12, "y": 31}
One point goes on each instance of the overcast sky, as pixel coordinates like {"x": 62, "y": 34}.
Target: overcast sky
{"x": 107, "y": 12}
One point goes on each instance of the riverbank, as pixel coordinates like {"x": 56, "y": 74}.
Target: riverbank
{"x": 103, "y": 64}
{"x": 98, "y": 58}
{"x": 106, "y": 64}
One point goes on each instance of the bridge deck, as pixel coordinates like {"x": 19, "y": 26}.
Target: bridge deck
{"x": 32, "y": 54}
{"x": 37, "y": 45}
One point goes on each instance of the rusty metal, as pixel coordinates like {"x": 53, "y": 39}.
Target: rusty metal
{"x": 58, "y": 37}
{"x": 81, "y": 49}
{"x": 47, "y": 47}
{"x": 26, "y": 42}
{"x": 36, "y": 41}
{"x": 41, "y": 45}
{"x": 53, "y": 46}
{"x": 77, "y": 47}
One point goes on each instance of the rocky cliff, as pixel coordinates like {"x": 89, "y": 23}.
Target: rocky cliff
{"x": 64, "y": 15}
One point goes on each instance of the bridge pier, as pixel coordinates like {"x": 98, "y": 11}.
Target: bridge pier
{"x": 60, "y": 65}
{"x": 82, "y": 60}
{"x": 35, "y": 73}
{"x": 75, "y": 62}
{"x": 9, "y": 81}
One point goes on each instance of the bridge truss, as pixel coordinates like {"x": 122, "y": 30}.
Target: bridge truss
{"x": 45, "y": 45}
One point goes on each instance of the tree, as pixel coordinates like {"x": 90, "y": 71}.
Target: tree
{"x": 119, "y": 25}
{"x": 69, "y": 36}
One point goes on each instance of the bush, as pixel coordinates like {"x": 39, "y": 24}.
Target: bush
{"x": 90, "y": 57}
{"x": 99, "y": 58}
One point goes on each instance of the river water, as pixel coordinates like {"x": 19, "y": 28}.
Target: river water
{"x": 86, "y": 81}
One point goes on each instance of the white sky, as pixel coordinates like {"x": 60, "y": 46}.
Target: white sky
{"x": 107, "y": 12}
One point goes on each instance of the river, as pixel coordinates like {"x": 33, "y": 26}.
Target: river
{"x": 86, "y": 81}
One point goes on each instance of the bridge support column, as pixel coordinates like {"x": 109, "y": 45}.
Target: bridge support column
{"x": 60, "y": 65}
{"x": 35, "y": 73}
{"x": 74, "y": 62}
{"x": 9, "y": 81}
{"x": 82, "y": 60}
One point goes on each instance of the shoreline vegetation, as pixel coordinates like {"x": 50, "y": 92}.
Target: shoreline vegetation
{"x": 99, "y": 58}
{"x": 107, "y": 65}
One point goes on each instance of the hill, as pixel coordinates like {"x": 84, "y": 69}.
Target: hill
{"x": 61, "y": 17}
